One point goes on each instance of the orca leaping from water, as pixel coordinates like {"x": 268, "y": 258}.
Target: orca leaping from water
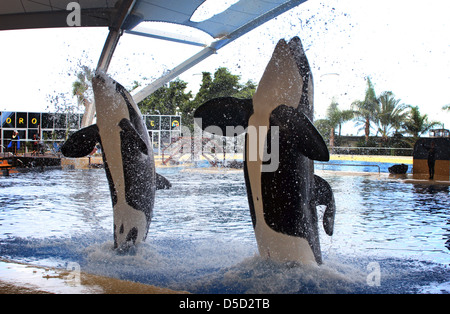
{"x": 127, "y": 156}
{"x": 282, "y": 199}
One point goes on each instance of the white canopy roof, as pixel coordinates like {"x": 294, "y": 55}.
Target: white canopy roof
{"x": 124, "y": 15}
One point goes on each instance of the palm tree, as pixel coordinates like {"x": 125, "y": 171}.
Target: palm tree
{"x": 391, "y": 115}
{"x": 82, "y": 89}
{"x": 366, "y": 110}
{"x": 417, "y": 124}
{"x": 336, "y": 118}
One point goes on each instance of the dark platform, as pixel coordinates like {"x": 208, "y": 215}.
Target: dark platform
{"x": 20, "y": 164}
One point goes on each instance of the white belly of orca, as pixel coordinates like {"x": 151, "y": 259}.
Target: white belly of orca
{"x": 127, "y": 217}
{"x": 282, "y": 248}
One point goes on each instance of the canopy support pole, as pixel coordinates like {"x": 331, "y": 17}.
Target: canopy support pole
{"x": 212, "y": 49}
{"x": 186, "y": 65}
{"x": 115, "y": 31}
{"x": 108, "y": 50}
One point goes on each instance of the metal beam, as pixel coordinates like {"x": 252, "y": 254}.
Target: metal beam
{"x": 108, "y": 50}
{"x": 186, "y": 65}
{"x": 115, "y": 31}
{"x": 212, "y": 49}
{"x": 168, "y": 36}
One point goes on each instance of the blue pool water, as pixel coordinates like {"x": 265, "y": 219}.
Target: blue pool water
{"x": 338, "y": 165}
{"x": 201, "y": 238}
{"x": 357, "y": 166}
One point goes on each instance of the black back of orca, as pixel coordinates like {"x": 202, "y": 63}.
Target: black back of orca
{"x": 138, "y": 162}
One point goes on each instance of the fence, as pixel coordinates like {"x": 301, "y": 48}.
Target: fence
{"x": 378, "y": 151}
{"x": 325, "y": 164}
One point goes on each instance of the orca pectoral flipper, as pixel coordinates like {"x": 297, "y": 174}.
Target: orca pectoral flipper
{"x": 133, "y": 135}
{"x": 323, "y": 195}
{"x": 162, "y": 183}
{"x": 304, "y": 133}
{"x": 225, "y": 112}
{"x": 81, "y": 143}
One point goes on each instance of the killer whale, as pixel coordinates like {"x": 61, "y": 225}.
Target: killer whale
{"x": 283, "y": 200}
{"x": 127, "y": 156}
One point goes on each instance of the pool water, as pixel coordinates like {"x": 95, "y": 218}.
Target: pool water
{"x": 356, "y": 166}
{"x": 390, "y": 237}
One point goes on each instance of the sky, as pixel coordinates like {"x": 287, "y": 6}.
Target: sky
{"x": 402, "y": 45}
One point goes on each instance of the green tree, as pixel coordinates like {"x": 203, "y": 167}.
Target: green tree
{"x": 323, "y": 126}
{"x": 173, "y": 97}
{"x": 203, "y": 92}
{"x": 82, "y": 89}
{"x": 416, "y": 123}
{"x": 336, "y": 118}
{"x": 224, "y": 84}
{"x": 366, "y": 110}
{"x": 167, "y": 99}
{"x": 247, "y": 90}
{"x": 390, "y": 115}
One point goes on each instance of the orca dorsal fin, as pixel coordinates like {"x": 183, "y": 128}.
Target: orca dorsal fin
{"x": 81, "y": 143}
{"x": 225, "y": 112}
{"x": 323, "y": 195}
{"x": 304, "y": 133}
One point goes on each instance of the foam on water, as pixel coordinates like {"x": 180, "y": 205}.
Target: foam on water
{"x": 213, "y": 266}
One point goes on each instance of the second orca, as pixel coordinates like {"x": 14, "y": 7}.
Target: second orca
{"x": 282, "y": 195}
